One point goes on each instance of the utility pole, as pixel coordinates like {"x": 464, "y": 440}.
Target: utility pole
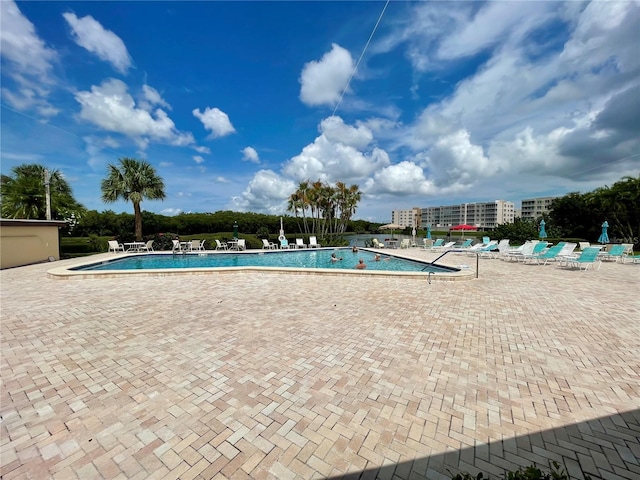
{"x": 47, "y": 193}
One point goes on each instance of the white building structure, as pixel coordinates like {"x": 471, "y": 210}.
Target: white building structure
{"x": 484, "y": 216}
{"x": 407, "y": 218}
{"x": 533, "y": 208}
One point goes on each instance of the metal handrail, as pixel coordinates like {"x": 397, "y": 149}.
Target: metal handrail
{"x": 458, "y": 251}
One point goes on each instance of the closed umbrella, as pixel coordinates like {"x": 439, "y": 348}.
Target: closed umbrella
{"x": 543, "y": 233}
{"x": 428, "y": 232}
{"x": 604, "y": 236}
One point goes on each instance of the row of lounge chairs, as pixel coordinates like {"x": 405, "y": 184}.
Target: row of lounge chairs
{"x": 539, "y": 253}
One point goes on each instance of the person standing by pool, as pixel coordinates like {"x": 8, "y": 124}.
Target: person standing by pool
{"x": 361, "y": 265}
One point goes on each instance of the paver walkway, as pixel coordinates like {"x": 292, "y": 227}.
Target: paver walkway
{"x": 261, "y": 375}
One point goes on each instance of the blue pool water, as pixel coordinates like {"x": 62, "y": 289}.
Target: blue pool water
{"x": 286, "y": 259}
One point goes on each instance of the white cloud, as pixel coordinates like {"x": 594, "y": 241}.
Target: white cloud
{"x": 215, "y": 120}
{"x": 92, "y": 36}
{"x": 171, "y": 212}
{"x": 221, "y": 179}
{"x": 27, "y": 60}
{"x": 267, "y": 192}
{"x": 151, "y": 98}
{"x": 110, "y": 107}
{"x": 336, "y": 131}
{"x": 333, "y": 155}
{"x": 404, "y": 178}
{"x": 198, "y": 159}
{"x": 322, "y": 82}
{"x": 249, "y": 154}
{"x": 20, "y": 44}
{"x": 204, "y": 150}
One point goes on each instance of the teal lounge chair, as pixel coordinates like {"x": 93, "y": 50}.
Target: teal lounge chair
{"x": 436, "y": 244}
{"x": 549, "y": 255}
{"x": 614, "y": 254}
{"x": 467, "y": 243}
{"x": 588, "y": 257}
{"x": 537, "y": 249}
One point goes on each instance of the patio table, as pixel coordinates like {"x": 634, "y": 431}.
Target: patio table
{"x": 134, "y": 246}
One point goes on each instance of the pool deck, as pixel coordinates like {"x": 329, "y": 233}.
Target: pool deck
{"x": 261, "y": 375}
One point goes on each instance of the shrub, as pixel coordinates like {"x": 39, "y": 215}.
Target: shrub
{"x": 530, "y": 473}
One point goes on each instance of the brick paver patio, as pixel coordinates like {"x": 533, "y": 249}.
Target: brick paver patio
{"x": 265, "y": 375}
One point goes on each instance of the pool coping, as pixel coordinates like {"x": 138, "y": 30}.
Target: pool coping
{"x": 65, "y": 272}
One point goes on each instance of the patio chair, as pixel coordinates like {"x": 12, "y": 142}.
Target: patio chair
{"x": 177, "y": 246}
{"x": 614, "y": 254}
{"x": 194, "y": 246}
{"x": 488, "y": 249}
{"x": 284, "y": 244}
{"x": 300, "y": 243}
{"x": 376, "y": 243}
{"x": 503, "y": 248}
{"x": 114, "y": 246}
{"x": 467, "y": 243}
{"x": 242, "y": 244}
{"x": 518, "y": 252}
{"x": 584, "y": 245}
{"x": 267, "y": 245}
{"x": 548, "y": 255}
{"x": 313, "y": 242}
{"x": 436, "y": 244}
{"x": 442, "y": 248}
{"x": 588, "y": 257}
{"x": 566, "y": 252}
{"x": 220, "y": 245}
{"x": 405, "y": 243}
{"x": 538, "y": 248}
{"x": 148, "y": 247}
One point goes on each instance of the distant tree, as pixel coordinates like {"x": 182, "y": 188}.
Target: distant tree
{"x": 330, "y": 209}
{"x": 132, "y": 180}
{"x": 517, "y": 232}
{"x": 23, "y": 195}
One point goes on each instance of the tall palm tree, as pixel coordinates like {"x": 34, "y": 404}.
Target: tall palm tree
{"x": 23, "y": 194}
{"x": 133, "y": 180}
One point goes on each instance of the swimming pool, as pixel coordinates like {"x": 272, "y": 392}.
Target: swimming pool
{"x": 303, "y": 259}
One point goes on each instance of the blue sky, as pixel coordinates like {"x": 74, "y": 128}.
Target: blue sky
{"x": 235, "y": 103}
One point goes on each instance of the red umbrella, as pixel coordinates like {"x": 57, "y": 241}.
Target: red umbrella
{"x": 464, "y": 227}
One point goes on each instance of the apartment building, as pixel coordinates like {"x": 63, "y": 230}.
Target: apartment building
{"x": 484, "y": 215}
{"x": 407, "y": 218}
{"x": 533, "y": 208}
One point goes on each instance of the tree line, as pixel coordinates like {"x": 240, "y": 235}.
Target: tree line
{"x": 316, "y": 208}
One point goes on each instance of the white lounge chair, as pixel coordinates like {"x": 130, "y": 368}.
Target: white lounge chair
{"x": 405, "y": 243}
{"x": 441, "y": 248}
{"x": 267, "y": 245}
{"x": 220, "y": 245}
{"x": 114, "y": 246}
{"x": 242, "y": 244}
{"x": 377, "y": 244}
{"x": 300, "y": 243}
{"x": 148, "y": 247}
{"x": 195, "y": 246}
{"x": 313, "y": 242}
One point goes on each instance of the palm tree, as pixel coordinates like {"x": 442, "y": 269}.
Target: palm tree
{"x": 133, "y": 180}
{"x": 23, "y": 194}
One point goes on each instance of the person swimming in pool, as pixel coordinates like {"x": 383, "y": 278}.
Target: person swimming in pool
{"x": 361, "y": 265}
{"x": 335, "y": 258}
